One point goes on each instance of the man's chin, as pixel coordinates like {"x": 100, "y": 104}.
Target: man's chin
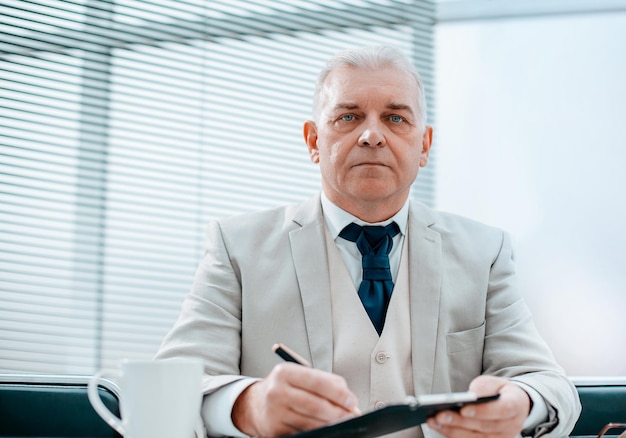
{"x": 377, "y": 192}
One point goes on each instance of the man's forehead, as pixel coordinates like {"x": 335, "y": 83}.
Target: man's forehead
{"x": 359, "y": 88}
{"x": 347, "y": 80}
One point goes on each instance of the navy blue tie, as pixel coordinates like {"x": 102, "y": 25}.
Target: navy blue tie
{"x": 374, "y": 243}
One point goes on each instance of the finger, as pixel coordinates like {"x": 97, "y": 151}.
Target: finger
{"x": 298, "y": 420}
{"x": 512, "y": 403}
{"x": 483, "y": 386}
{"x": 295, "y": 399}
{"x": 327, "y": 386}
{"x": 313, "y": 406}
{"x": 456, "y": 432}
{"x": 307, "y": 411}
{"x": 452, "y": 425}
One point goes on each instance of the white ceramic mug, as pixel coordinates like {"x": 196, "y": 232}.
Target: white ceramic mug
{"x": 158, "y": 398}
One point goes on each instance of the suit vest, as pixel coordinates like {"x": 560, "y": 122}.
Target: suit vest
{"x": 377, "y": 369}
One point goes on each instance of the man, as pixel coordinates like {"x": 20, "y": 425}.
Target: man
{"x": 303, "y": 276}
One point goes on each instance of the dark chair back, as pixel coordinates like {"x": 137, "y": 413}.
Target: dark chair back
{"x": 53, "y": 406}
{"x": 603, "y": 402}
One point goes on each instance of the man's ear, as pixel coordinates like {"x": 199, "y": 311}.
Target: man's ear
{"x": 310, "y": 137}
{"x": 427, "y": 142}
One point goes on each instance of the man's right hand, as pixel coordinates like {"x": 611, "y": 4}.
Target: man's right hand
{"x": 291, "y": 399}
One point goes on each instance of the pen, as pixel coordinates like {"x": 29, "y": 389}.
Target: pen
{"x": 289, "y": 355}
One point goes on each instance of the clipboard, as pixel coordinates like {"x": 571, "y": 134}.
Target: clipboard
{"x": 395, "y": 417}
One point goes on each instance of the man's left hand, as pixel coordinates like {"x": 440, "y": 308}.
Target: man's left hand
{"x": 502, "y": 418}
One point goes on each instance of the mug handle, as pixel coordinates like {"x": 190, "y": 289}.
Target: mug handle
{"x": 199, "y": 430}
{"x": 96, "y": 402}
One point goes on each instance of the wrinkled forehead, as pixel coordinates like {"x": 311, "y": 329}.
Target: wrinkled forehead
{"x": 358, "y": 87}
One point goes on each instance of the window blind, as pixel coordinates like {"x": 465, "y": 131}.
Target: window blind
{"x": 126, "y": 125}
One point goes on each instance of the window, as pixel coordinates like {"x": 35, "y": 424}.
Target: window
{"x": 125, "y": 126}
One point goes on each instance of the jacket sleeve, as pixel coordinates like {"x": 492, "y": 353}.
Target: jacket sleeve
{"x": 209, "y": 324}
{"x": 514, "y": 348}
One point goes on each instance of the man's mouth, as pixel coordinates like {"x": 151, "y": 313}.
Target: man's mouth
{"x": 370, "y": 163}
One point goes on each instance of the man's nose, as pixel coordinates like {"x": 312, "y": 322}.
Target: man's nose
{"x": 372, "y": 135}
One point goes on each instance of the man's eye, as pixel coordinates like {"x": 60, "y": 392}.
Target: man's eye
{"x": 347, "y": 117}
{"x": 396, "y": 119}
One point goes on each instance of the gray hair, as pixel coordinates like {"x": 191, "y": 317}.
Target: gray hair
{"x": 370, "y": 58}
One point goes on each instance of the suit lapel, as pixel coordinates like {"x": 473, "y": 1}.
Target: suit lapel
{"x": 425, "y": 284}
{"x": 311, "y": 264}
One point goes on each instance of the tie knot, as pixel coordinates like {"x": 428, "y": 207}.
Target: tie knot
{"x": 370, "y": 239}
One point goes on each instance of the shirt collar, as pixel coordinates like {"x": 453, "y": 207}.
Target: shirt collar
{"x": 337, "y": 219}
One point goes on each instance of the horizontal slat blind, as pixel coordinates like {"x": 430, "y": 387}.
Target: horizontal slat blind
{"x": 125, "y": 126}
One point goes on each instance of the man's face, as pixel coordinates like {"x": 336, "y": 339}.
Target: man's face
{"x": 368, "y": 140}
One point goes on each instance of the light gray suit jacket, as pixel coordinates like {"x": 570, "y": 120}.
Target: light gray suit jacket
{"x": 264, "y": 279}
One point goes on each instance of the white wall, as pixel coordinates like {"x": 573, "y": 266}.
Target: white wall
{"x": 531, "y": 137}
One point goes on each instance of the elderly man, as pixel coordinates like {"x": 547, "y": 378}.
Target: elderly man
{"x": 384, "y": 296}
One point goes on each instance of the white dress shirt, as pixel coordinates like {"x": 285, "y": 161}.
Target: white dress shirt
{"x": 337, "y": 219}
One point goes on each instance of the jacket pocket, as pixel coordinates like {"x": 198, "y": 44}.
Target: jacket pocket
{"x": 465, "y": 356}
{"x": 466, "y": 340}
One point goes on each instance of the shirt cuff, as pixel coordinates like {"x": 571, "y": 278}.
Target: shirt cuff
{"x": 217, "y": 409}
{"x": 538, "y": 412}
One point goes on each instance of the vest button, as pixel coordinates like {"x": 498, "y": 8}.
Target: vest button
{"x": 382, "y": 357}
{"x": 379, "y": 404}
